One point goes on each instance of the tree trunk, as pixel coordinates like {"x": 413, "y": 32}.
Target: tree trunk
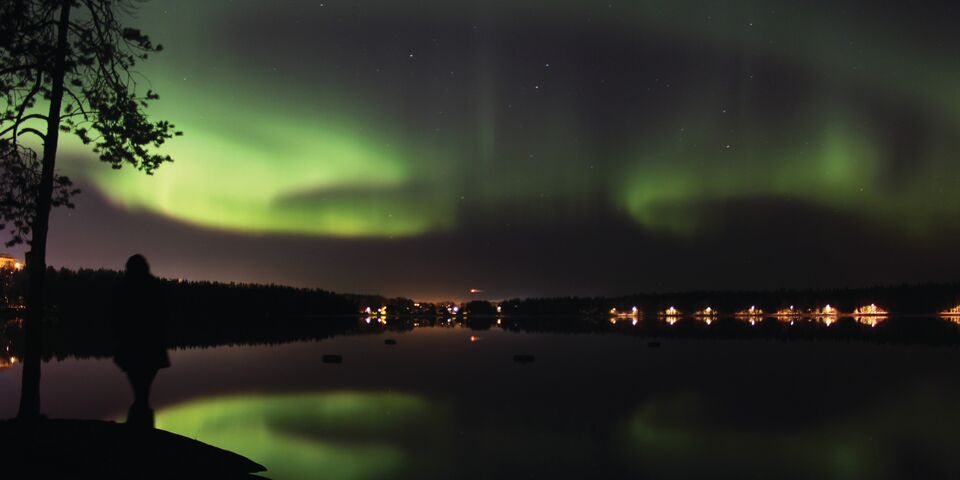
{"x": 37, "y": 264}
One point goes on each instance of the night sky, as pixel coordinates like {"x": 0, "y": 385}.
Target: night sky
{"x": 539, "y": 147}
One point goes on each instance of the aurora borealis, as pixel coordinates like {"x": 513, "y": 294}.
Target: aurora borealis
{"x": 539, "y": 147}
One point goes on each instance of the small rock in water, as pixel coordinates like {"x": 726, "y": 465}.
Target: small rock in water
{"x": 332, "y": 359}
{"x": 654, "y": 344}
{"x": 389, "y": 341}
{"x": 523, "y": 358}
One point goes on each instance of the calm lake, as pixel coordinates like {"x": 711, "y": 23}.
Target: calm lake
{"x": 451, "y": 402}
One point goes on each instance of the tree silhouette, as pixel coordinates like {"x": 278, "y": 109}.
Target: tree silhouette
{"x": 66, "y": 66}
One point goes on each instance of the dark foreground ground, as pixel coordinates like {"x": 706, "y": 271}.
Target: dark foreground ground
{"x": 99, "y": 449}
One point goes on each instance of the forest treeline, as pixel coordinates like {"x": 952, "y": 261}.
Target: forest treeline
{"x": 207, "y": 314}
{"x": 78, "y": 305}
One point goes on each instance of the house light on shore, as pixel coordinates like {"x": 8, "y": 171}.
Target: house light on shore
{"x": 788, "y": 312}
{"x": 8, "y": 262}
{"x": 951, "y": 312}
{"x": 706, "y": 312}
{"x": 753, "y": 311}
{"x": 871, "y": 309}
{"x": 7, "y": 363}
{"x": 633, "y": 312}
{"x": 825, "y": 311}
{"x": 671, "y": 315}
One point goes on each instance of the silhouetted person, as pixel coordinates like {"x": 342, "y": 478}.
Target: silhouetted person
{"x": 139, "y": 318}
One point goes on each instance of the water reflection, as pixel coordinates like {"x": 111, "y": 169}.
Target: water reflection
{"x": 7, "y": 357}
{"x": 871, "y": 320}
{"x": 900, "y": 436}
{"x": 536, "y": 404}
{"x": 336, "y": 435}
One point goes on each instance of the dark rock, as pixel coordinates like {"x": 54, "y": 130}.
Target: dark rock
{"x": 523, "y": 358}
{"x": 99, "y": 449}
{"x": 332, "y": 359}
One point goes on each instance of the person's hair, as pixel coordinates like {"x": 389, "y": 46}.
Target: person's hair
{"x": 137, "y": 266}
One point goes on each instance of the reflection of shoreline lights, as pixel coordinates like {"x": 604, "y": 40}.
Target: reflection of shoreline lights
{"x": 380, "y": 311}
{"x": 670, "y": 314}
{"x": 870, "y": 319}
{"x": 707, "y": 315}
{"x": 752, "y": 314}
{"x": 827, "y": 315}
{"x": 871, "y": 309}
{"x": 633, "y": 313}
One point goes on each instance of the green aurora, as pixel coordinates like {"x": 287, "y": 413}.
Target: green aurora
{"x": 323, "y": 146}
